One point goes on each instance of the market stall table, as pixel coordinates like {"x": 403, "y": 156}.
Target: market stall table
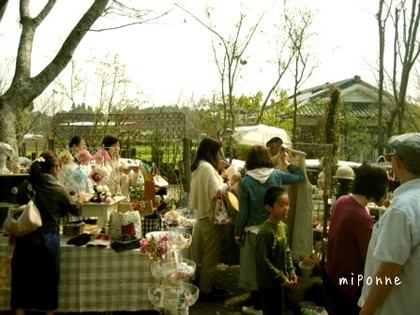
{"x": 95, "y": 279}
{"x": 101, "y": 210}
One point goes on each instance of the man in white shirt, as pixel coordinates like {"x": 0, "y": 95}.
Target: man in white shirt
{"x": 392, "y": 276}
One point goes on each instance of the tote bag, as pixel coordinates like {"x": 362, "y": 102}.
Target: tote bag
{"x": 22, "y": 220}
{"x": 218, "y": 213}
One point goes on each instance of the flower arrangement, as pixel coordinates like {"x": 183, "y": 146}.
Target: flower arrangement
{"x": 136, "y": 192}
{"x": 173, "y": 269}
{"x": 307, "y": 264}
{"x": 172, "y": 219}
{"x": 156, "y": 245}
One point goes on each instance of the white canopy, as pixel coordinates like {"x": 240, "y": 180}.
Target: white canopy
{"x": 259, "y": 134}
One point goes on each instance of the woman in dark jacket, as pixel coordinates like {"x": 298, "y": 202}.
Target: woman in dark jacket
{"x": 36, "y": 257}
{"x": 260, "y": 175}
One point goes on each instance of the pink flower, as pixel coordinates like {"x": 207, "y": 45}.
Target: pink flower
{"x": 309, "y": 260}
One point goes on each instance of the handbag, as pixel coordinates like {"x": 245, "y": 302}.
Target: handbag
{"x": 23, "y": 219}
{"x": 121, "y": 223}
{"x": 159, "y": 181}
{"x": 218, "y": 213}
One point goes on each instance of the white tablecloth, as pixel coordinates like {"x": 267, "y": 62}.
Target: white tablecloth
{"x": 95, "y": 279}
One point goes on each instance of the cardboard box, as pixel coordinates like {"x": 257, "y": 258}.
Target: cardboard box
{"x": 73, "y": 229}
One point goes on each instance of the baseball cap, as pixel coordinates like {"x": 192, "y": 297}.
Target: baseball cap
{"x": 407, "y": 146}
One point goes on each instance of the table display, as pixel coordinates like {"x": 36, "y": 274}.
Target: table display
{"x": 101, "y": 210}
{"x": 173, "y": 294}
{"x": 95, "y": 279}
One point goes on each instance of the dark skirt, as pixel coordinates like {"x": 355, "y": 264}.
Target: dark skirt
{"x": 336, "y": 301}
{"x": 36, "y": 271}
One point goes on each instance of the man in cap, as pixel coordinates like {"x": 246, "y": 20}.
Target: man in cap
{"x": 392, "y": 279}
{"x": 278, "y": 152}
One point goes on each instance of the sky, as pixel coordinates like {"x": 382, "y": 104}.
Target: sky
{"x": 171, "y": 60}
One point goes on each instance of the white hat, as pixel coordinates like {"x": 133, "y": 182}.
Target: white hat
{"x": 344, "y": 172}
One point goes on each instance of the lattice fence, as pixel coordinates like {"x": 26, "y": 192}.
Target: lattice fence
{"x": 134, "y": 128}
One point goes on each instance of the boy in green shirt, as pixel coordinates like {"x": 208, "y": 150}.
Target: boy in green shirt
{"x": 273, "y": 257}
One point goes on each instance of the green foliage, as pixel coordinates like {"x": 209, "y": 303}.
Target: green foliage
{"x": 411, "y": 121}
{"x": 354, "y": 138}
{"x": 240, "y": 152}
{"x": 332, "y": 113}
{"x": 249, "y": 104}
{"x": 209, "y": 117}
{"x": 278, "y": 113}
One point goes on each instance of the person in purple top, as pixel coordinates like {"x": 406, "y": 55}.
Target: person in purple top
{"x": 348, "y": 239}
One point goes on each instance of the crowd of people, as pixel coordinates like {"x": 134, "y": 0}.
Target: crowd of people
{"x": 206, "y": 182}
{"x": 82, "y": 171}
{"x": 59, "y": 185}
{"x": 370, "y": 268}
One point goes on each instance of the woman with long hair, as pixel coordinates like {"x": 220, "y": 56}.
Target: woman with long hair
{"x": 205, "y": 185}
{"x": 36, "y": 257}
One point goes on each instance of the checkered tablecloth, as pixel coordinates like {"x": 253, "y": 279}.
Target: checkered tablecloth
{"x": 150, "y": 225}
{"x": 95, "y": 279}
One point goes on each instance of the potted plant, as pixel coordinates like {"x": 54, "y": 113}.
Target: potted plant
{"x": 137, "y": 198}
{"x": 307, "y": 264}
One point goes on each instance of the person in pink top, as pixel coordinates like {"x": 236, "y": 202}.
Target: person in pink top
{"x": 348, "y": 239}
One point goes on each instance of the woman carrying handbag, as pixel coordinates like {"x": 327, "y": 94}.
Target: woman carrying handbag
{"x": 36, "y": 257}
{"x": 206, "y": 183}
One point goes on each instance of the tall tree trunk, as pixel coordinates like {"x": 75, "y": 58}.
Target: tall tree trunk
{"x": 24, "y": 88}
{"x": 331, "y": 126}
{"x": 8, "y": 129}
{"x": 3, "y": 6}
{"x": 381, "y": 31}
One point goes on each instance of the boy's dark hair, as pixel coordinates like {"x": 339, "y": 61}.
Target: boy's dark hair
{"x": 371, "y": 181}
{"x": 271, "y": 195}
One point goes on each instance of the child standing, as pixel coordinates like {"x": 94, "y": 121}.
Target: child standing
{"x": 275, "y": 268}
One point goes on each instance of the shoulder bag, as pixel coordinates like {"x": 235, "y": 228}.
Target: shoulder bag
{"x": 23, "y": 219}
{"x": 218, "y": 213}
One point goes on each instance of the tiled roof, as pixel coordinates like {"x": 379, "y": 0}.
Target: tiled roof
{"x": 360, "y": 108}
{"x": 321, "y": 91}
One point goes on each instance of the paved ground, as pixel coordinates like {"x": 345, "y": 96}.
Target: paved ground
{"x": 226, "y": 278}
